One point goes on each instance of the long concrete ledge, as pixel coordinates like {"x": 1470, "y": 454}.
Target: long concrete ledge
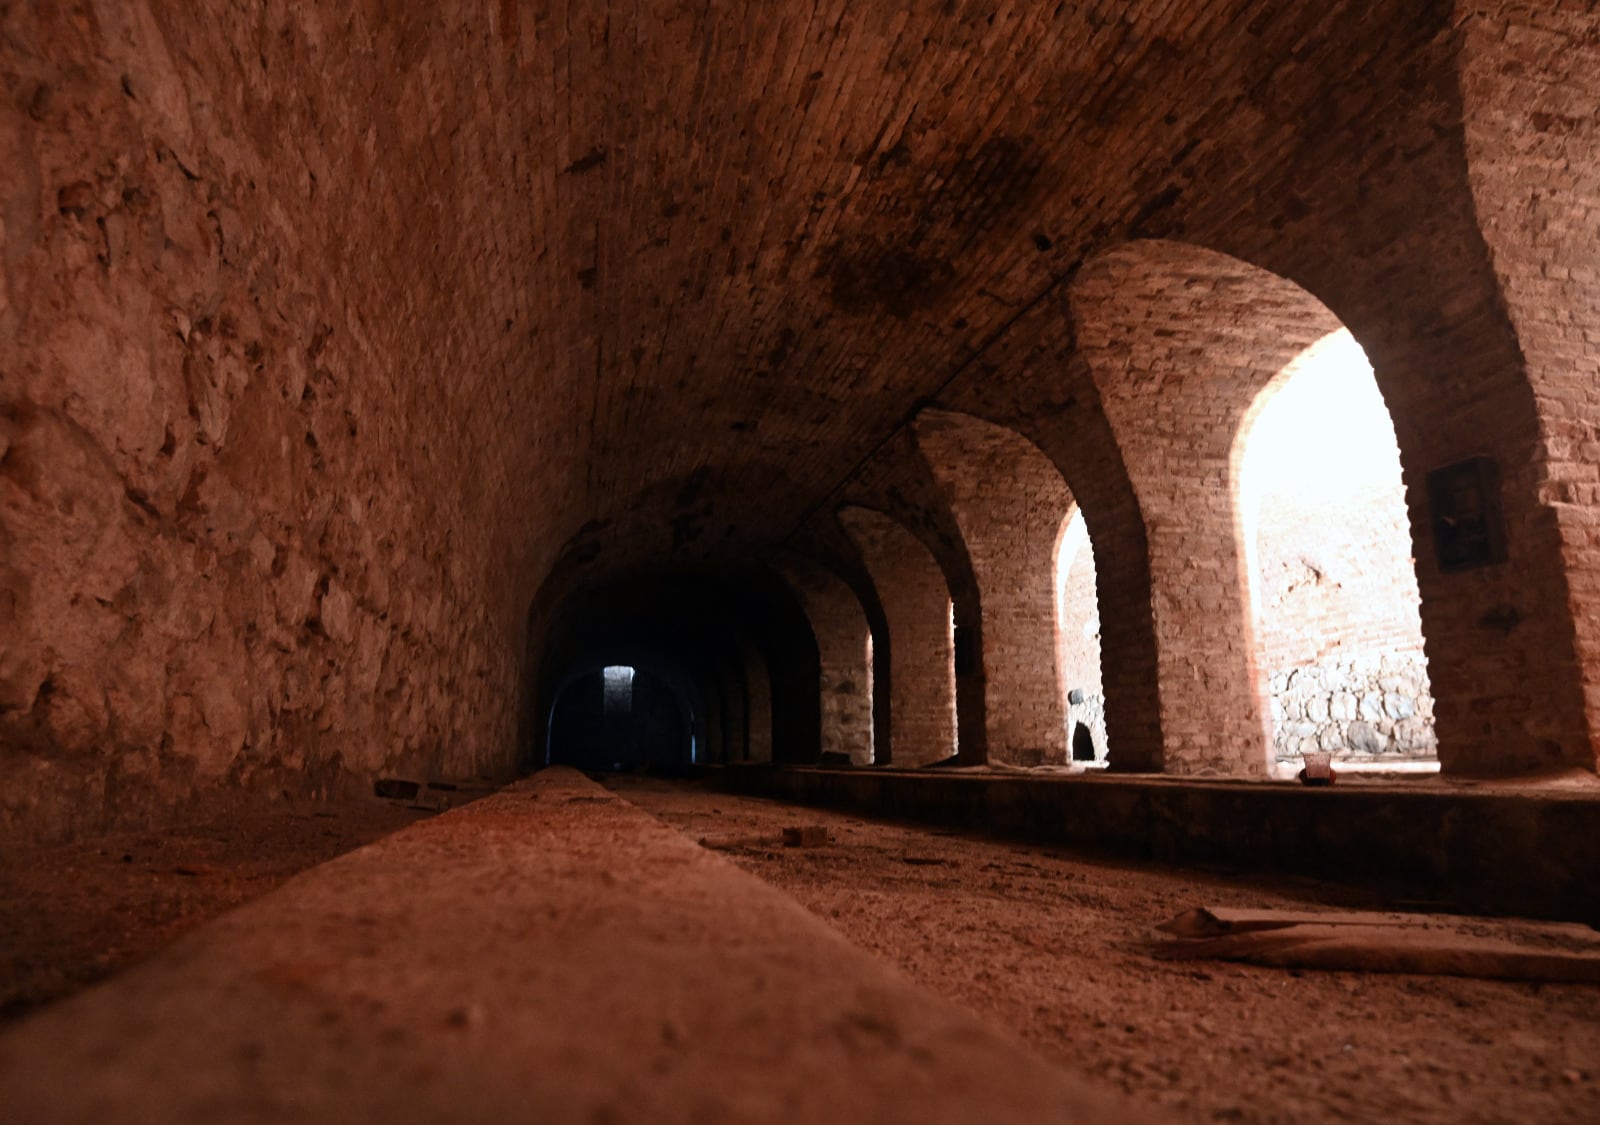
{"x": 1490, "y": 852}
{"x": 549, "y": 954}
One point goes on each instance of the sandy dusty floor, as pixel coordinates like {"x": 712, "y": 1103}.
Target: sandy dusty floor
{"x": 1052, "y": 945}
{"x": 72, "y": 914}
{"x": 1041, "y": 941}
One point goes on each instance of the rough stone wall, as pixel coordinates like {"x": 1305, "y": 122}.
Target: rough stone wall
{"x": 1338, "y": 625}
{"x": 1530, "y": 78}
{"x": 1359, "y": 705}
{"x": 1181, "y": 342}
{"x": 251, "y": 340}
{"x": 1010, "y": 501}
{"x": 921, "y": 668}
{"x": 840, "y": 626}
{"x": 1078, "y": 636}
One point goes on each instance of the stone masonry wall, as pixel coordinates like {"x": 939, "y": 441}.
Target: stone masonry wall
{"x": 1339, "y": 629}
{"x": 1363, "y": 706}
{"x": 248, "y": 364}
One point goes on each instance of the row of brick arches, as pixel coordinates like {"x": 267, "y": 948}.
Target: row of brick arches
{"x": 1210, "y": 570}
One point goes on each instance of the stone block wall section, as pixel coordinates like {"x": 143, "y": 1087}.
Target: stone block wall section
{"x": 842, "y": 635}
{"x": 1530, "y": 81}
{"x": 1362, "y": 706}
{"x": 1182, "y": 342}
{"x": 916, "y": 602}
{"x": 250, "y": 357}
{"x": 1010, "y": 503}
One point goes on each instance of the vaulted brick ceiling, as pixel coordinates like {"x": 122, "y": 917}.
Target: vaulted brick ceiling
{"x": 769, "y": 232}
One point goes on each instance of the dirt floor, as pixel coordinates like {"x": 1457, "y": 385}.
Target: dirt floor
{"x": 1053, "y": 946}
{"x": 74, "y": 913}
{"x": 1047, "y": 943}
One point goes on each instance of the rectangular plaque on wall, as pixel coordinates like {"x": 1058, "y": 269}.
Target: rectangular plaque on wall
{"x": 1464, "y": 499}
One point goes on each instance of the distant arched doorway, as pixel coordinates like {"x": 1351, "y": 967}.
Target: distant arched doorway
{"x": 619, "y": 717}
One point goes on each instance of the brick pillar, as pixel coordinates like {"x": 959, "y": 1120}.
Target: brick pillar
{"x": 1530, "y": 81}
{"x": 840, "y": 626}
{"x": 1181, "y": 342}
{"x": 1009, "y": 501}
{"x": 916, "y": 602}
{"x": 1034, "y": 380}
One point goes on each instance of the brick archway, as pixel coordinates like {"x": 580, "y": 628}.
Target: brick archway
{"x": 916, "y": 601}
{"x": 1008, "y": 500}
{"x": 1181, "y": 341}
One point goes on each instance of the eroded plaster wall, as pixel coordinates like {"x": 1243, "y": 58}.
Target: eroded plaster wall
{"x": 254, "y": 344}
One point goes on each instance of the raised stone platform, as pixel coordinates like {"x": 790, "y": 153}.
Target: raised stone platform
{"x": 1485, "y": 850}
{"x": 550, "y": 953}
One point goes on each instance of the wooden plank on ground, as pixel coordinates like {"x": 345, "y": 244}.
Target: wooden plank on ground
{"x": 1499, "y": 949}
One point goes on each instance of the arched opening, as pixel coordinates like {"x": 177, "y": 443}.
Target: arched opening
{"x": 1327, "y": 546}
{"x": 1078, "y": 641}
{"x": 1083, "y": 747}
{"x": 731, "y": 649}
{"x": 618, "y": 718}
{"x": 1181, "y": 341}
